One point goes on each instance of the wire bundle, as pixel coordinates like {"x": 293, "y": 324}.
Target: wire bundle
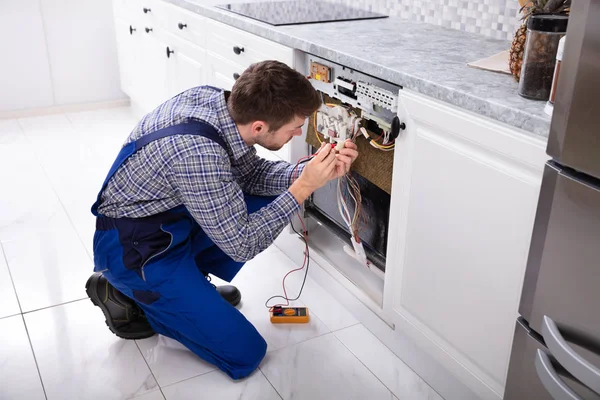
{"x": 306, "y": 262}
{"x": 349, "y": 203}
{"x": 355, "y": 121}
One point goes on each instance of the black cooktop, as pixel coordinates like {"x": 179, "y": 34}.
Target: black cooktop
{"x": 294, "y": 12}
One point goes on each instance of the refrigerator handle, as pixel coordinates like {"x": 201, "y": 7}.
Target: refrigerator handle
{"x": 550, "y": 379}
{"x": 578, "y": 366}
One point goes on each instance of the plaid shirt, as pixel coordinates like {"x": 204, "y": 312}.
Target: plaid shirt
{"x": 200, "y": 174}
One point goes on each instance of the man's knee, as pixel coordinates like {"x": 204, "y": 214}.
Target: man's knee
{"x": 249, "y": 352}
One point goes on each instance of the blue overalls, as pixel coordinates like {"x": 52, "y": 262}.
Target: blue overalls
{"x": 159, "y": 262}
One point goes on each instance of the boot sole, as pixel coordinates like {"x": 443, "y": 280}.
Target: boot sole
{"x": 92, "y": 294}
{"x": 236, "y": 300}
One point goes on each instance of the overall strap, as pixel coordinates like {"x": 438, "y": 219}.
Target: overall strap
{"x": 189, "y": 128}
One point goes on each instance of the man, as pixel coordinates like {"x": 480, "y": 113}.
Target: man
{"x": 188, "y": 196}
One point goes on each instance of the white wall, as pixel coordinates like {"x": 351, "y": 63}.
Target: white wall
{"x": 57, "y": 52}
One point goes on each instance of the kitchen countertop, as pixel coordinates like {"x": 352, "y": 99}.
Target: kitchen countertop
{"x": 425, "y": 58}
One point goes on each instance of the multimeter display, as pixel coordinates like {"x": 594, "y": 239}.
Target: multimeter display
{"x": 291, "y": 311}
{"x": 289, "y": 315}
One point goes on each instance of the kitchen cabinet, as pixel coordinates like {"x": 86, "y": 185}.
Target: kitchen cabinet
{"x": 152, "y": 70}
{"x": 222, "y": 73}
{"x": 129, "y": 46}
{"x": 164, "y": 50}
{"x": 464, "y": 197}
{"x": 186, "y": 65}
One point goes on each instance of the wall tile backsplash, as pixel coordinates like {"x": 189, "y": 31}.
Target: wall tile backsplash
{"x": 492, "y": 18}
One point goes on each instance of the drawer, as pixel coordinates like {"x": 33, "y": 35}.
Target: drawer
{"x": 183, "y": 23}
{"x": 222, "y": 72}
{"x": 244, "y": 48}
{"x": 149, "y": 12}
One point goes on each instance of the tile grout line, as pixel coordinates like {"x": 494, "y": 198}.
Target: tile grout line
{"x": 321, "y": 287}
{"x": 270, "y": 383}
{"x": 342, "y": 288}
{"x": 150, "y": 369}
{"x": 190, "y": 378}
{"x": 37, "y": 366}
{"x": 368, "y": 369}
{"x": 62, "y": 205}
{"x": 54, "y": 305}
{"x": 11, "y": 279}
{"x": 91, "y": 256}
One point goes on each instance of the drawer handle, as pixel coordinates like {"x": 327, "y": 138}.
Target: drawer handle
{"x": 182, "y": 25}
{"x": 236, "y": 76}
{"x": 148, "y": 30}
{"x": 237, "y": 50}
{"x": 169, "y": 52}
{"x": 146, "y": 10}
{"x": 131, "y": 30}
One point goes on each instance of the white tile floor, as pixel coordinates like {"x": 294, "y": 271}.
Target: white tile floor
{"x": 54, "y": 342}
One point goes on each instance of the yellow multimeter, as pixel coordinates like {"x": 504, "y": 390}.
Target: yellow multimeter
{"x": 289, "y": 315}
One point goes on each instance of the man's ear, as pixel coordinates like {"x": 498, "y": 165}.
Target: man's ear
{"x": 259, "y": 127}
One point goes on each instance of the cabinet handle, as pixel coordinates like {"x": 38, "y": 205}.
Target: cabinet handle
{"x": 169, "y": 52}
{"x": 131, "y": 30}
{"x": 237, "y": 50}
{"x": 148, "y": 30}
{"x": 146, "y": 10}
{"x": 182, "y": 25}
{"x": 236, "y": 75}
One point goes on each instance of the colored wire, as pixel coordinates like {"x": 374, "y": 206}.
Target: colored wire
{"x": 306, "y": 261}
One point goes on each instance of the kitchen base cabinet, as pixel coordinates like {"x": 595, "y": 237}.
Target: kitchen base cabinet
{"x": 464, "y": 197}
{"x": 163, "y": 51}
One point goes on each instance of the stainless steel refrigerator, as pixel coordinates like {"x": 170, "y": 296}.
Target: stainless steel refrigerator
{"x": 556, "y": 349}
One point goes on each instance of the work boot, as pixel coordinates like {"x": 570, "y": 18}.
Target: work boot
{"x": 123, "y": 316}
{"x": 230, "y": 293}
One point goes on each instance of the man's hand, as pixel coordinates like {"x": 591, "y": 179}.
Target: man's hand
{"x": 345, "y": 158}
{"x": 317, "y": 172}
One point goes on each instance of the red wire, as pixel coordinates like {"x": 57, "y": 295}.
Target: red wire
{"x": 297, "y": 269}
{"x": 305, "y": 233}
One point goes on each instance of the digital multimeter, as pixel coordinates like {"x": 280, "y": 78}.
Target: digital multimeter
{"x": 289, "y": 315}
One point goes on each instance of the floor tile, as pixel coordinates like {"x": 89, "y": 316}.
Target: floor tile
{"x": 19, "y": 378}
{"x": 27, "y": 196}
{"x": 104, "y": 131}
{"x": 77, "y": 197}
{"x": 396, "y": 375}
{"x": 156, "y": 395}
{"x": 216, "y": 385}
{"x": 8, "y": 298}
{"x": 260, "y": 279}
{"x": 58, "y": 146}
{"x": 79, "y": 358}
{"x": 320, "y": 302}
{"x": 49, "y": 265}
{"x": 170, "y": 361}
{"x": 321, "y": 368}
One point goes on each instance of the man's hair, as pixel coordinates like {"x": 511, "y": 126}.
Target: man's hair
{"x": 271, "y": 91}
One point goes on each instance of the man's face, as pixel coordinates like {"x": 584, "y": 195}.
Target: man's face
{"x": 275, "y": 140}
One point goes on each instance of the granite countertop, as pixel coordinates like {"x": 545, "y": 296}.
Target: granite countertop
{"x": 425, "y": 58}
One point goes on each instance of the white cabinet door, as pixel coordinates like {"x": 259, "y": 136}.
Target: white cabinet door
{"x": 152, "y": 71}
{"x": 25, "y": 80}
{"x": 186, "y": 66}
{"x": 464, "y": 197}
{"x": 244, "y": 48}
{"x": 222, "y": 73}
{"x": 129, "y": 38}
